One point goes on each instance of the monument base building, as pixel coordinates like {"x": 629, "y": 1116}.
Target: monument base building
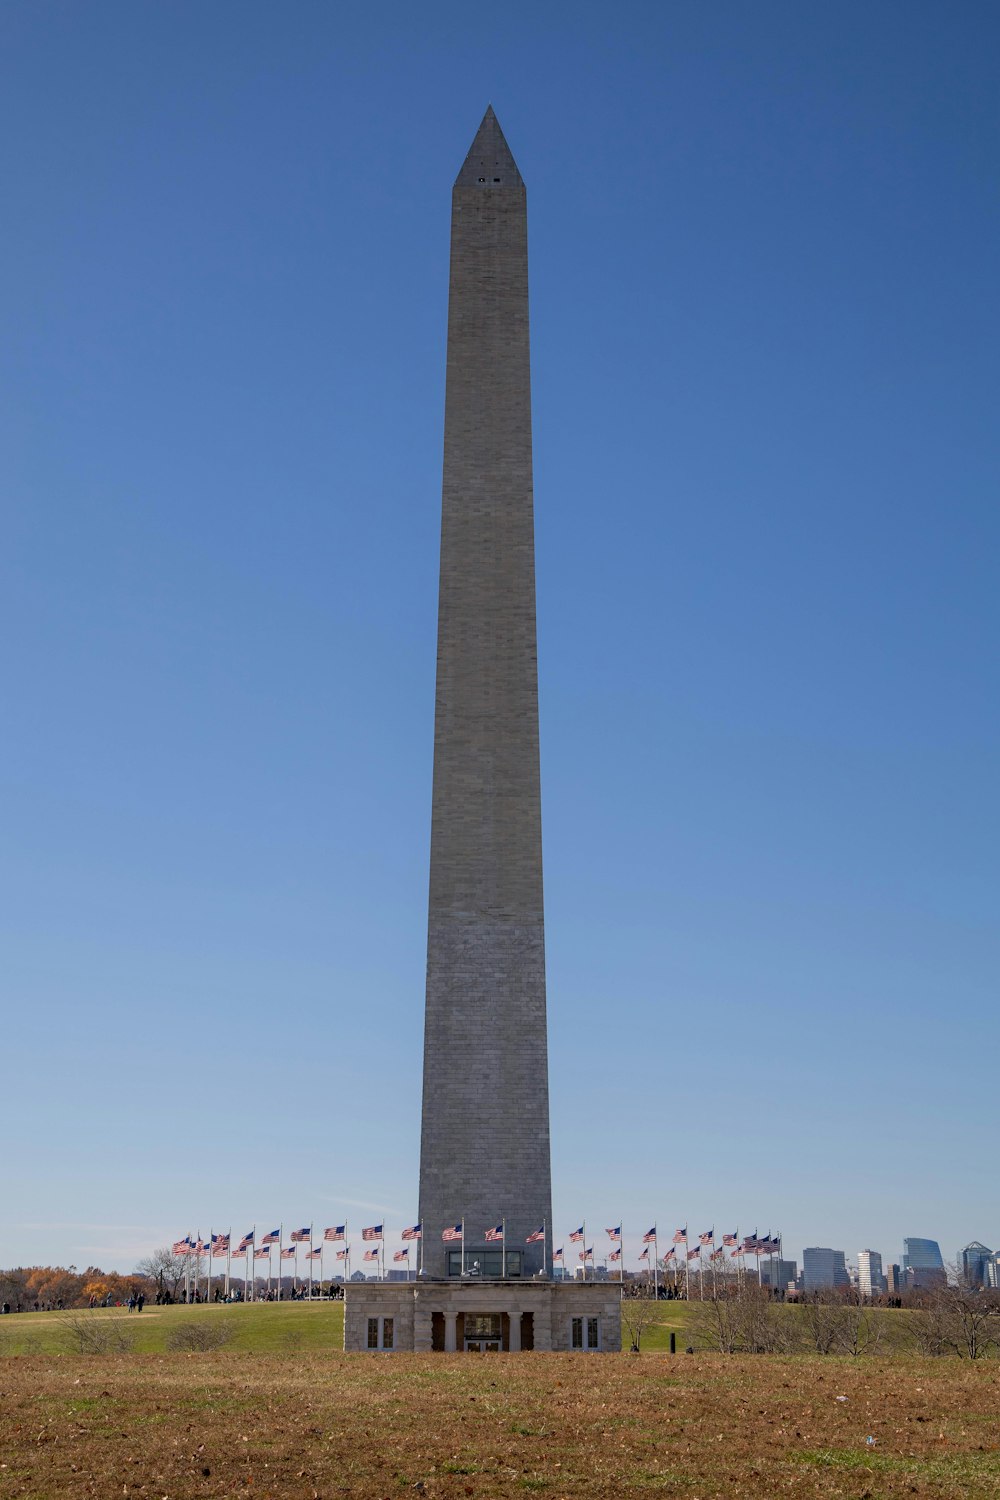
{"x": 477, "y": 1316}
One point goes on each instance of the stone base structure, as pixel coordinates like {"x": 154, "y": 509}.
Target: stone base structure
{"x": 476, "y": 1316}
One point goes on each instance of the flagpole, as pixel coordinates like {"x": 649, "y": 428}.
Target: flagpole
{"x": 420, "y": 1252}
{"x": 656, "y": 1276}
{"x": 463, "y": 1244}
{"x": 229, "y": 1257}
{"x": 687, "y": 1268}
{"x": 621, "y": 1251}
{"x": 310, "y": 1262}
{"x": 503, "y": 1249}
{"x": 584, "y": 1249}
{"x": 545, "y": 1247}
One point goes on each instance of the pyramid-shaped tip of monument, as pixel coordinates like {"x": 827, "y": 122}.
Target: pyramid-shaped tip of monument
{"x": 489, "y": 163}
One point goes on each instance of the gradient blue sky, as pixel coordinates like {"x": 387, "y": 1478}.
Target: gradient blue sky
{"x": 766, "y": 359}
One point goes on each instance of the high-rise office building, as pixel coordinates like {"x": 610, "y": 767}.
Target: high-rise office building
{"x": 823, "y": 1268}
{"x": 921, "y": 1255}
{"x": 871, "y": 1282}
{"x": 777, "y": 1273}
{"x": 922, "y": 1263}
{"x": 974, "y": 1260}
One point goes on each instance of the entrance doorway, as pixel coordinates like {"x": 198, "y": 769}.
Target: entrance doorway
{"x": 483, "y": 1333}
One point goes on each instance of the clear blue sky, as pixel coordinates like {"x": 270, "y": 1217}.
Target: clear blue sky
{"x": 766, "y": 360}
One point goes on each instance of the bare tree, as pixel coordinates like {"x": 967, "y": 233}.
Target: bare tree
{"x": 958, "y": 1318}
{"x": 164, "y": 1268}
{"x": 823, "y": 1319}
{"x": 640, "y": 1310}
{"x": 742, "y": 1319}
{"x": 861, "y": 1325}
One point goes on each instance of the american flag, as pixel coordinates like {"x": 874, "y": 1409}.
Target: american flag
{"x": 272, "y": 1238}
{"x": 248, "y": 1238}
{"x": 220, "y": 1241}
{"x": 577, "y": 1234}
{"x": 706, "y": 1238}
{"x": 244, "y": 1244}
{"x": 288, "y": 1254}
{"x": 240, "y": 1253}
{"x": 373, "y": 1232}
{"x": 402, "y": 1254}
{"x": 220, "y": 1250}
{"x": 453, "y": 1232}
{"x": 681, "y": 1236}
{"x": 717, "y": 1254}
{"x": 262, "y": 1255}
{"x": 557, "y": 1254}
{"x": 740, "y": 1250}
{"x": 750, "y": 1241}
{"x": 200, "y": 1247}
{"x": 694, "y": 1254}
{"x": 314, "y": 1255}
{"x": 533, "y": 1239}
{"x": 587, "y": 1254}
{"x": 181, "y": 1247}
{"x": 644, "y": 1254}
{"x": 650, "y": 1236}
{"x": 336, "y": 1232}
{"x": 496, "y": 1233}
{"x": 615, "y": 1255}
{"x": 413, "y": 1233}
{"x": 343, "y": 1254}
{"x": 615, "y": 1234}
{"x": 729, "y": 1239}
{"x": 670, "y": 1254}
{"x": 370, "y": 1255}
{"x": 298, "y": 1235}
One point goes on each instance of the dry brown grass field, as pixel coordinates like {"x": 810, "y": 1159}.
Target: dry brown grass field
{"x": 310, "y": 1425}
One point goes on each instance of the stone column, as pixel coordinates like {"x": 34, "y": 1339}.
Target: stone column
{"x": 515, "y": 1331}
{"x": 450, "y": 1342}
{"x": 422, "y": 1329}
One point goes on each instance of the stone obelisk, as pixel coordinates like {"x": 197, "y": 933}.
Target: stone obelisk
{"x": 484, "y": 1151}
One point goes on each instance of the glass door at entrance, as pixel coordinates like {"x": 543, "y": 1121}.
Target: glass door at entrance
{"x": 482, "y": 1333}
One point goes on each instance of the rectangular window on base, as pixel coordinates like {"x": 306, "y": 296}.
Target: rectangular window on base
{"x": 585, "y": 1333}
{"x": 381, "y": 1333}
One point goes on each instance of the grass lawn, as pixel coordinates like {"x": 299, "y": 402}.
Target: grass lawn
{"x": 315, "y": 1424}
{"x": 268, "y": 1327}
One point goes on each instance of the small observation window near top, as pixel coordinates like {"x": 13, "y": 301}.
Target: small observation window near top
{"x": 496, "y": 179}
{"x": 482, "y": 179}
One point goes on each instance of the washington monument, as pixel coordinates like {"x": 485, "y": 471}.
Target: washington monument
{"x": 484, "y": 1151}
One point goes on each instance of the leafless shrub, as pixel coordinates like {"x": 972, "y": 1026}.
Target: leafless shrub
{"x": 199, "y": 1338}
{"x": 90, "y": 1333}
